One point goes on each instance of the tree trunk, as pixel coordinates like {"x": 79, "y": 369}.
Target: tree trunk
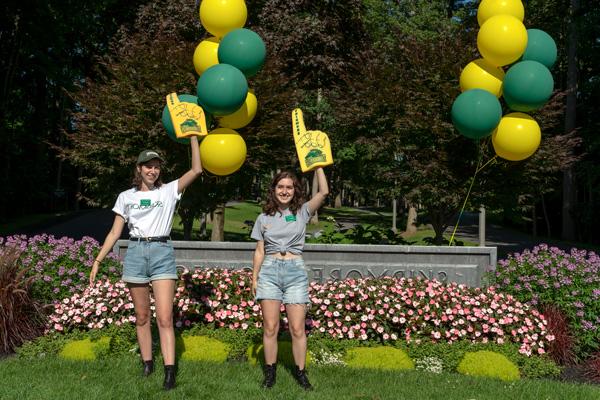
{"x": 314, "y": 220}
{"x": 218, "y": 224}
{"x": 394, "y": 215}
{"x": 203, "y": 218}
{"x": 546, "y": 216}
{"x": 534, "y": 230}
{"x": 568, "y": 224}
{"x": 188, "y": 225}
{"x": 338, "y": 201}
{"x": 411, "y": 221}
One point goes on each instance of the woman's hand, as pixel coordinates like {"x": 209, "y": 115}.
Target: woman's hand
{"x": 94, "y": 272}
{"x": 253, "y": 287}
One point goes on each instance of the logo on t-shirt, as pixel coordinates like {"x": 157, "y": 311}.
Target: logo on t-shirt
{"x": 145, "y": 204}
{"x": 290, "y": 218}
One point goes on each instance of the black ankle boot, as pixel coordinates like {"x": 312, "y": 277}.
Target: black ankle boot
{"x": 148, "y": 367}
{"x": 301, "y": 378}
{"x": 169, "y": 382}
{"x": 270, "y": 375}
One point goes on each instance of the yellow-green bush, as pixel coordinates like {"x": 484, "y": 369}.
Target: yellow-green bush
{"x": 85, "y": 349}
{"x": 489, "y": 364}
{"x": 202, "y": 348}
{"x": 380, "y": 357}
{"x": 256, "y": 354}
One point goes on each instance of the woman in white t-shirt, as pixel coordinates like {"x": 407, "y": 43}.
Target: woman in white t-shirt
{"x": 148, "y": 209}
{"x": 279, "y": 274}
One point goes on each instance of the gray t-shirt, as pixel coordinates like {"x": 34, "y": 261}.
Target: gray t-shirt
{"x": 283, "y": 231}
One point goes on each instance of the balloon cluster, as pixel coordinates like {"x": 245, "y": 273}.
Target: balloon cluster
{"x": 223, "y": 62}
{"x": 526, "y": 86}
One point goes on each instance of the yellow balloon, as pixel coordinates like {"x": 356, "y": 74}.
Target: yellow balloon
{"x": 221, "y": 16}
{"x": 243, "y": 116}
{"x": 517, "y": 137}
{"x": 205, "y": 55}
{"x": 223, "y": 151}
{"x": 491, "y": 8}
{"x": 502, "y": 39}
{"x": 480, "y": 74}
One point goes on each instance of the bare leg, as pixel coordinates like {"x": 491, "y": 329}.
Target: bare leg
{"x": 140, "y": 294}
{"x": 296, "y": 314}
{"x": 164, "y": 292}
{"x": 270, "y": 312}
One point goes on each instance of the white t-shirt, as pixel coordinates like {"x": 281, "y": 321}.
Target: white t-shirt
{"x": 148, "y": 213}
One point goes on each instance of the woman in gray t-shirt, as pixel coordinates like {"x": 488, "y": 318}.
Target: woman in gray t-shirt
{"x": 279, "y": 274}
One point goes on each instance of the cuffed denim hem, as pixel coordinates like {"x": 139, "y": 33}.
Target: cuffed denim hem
{"x": 163, "y": 276}
{"x": 133, "y": 279}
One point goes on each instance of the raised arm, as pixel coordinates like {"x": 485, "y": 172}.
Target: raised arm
{"x": 317, "y": 200}
{"x": 189, "y": 177}
{"x": 113, "y": 235}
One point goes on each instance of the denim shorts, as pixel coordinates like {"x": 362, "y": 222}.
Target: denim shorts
{"x": 283, "y": 280}
{"x": 149, "y": 261}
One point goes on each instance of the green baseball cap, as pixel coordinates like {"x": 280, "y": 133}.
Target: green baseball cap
{"x": 148, "y": 155}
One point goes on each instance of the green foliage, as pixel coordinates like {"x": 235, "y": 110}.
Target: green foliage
{"x": 43, "y": 346}
{"x": 21, "y": 316}
{"x": 358, "y": 234}
{"x": 256, "y": 354}
{"x": 85, "y": 349}
{"x": 381, "y": 357}
{"x": 533, "y": 367}
{"x": 202, "y": 348}
{"x": 237, "y": 340}
{"x": 123, "y": 339}
{"x": 489, "y": 364}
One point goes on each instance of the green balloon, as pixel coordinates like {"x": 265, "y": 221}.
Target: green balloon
{"x": 527, "y": 86}
{"x": 222, "y": 89}
{"x": 476, "y": 113}
{"x": 168, "y": 123}
{"x": 540, "y": 47}
{"x": 243, "y": 49}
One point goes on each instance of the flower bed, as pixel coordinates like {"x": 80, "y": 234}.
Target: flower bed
{"x": 383, "y": 310}
{"x": 61, "y": 267}
{"x": 549, "y": 276}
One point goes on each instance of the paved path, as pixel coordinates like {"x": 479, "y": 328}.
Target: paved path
{"x": 92, "y": 223}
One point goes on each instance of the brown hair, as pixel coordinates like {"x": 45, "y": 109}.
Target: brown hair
{"x": 136, "y": 182}
{"x": 272, "y": 206}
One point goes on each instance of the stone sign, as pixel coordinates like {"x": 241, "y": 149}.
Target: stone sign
{"x": 465, "y": 265}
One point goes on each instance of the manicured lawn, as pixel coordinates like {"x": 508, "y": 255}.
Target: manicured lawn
{"x": 238, "y": 219}
{"x": 119, "y": 379}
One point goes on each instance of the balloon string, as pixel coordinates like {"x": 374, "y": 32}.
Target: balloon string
{"x": 467, "y": 197}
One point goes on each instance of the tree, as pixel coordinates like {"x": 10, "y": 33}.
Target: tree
{"x": 46, "y": 47}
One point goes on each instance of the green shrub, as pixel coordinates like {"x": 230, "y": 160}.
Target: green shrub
{"x": 451, "y": 354}
{"x": 123, "y": 339}
{"x": 238, "y": 340}
{"x": 43, "y": 346}
{"x": 256, "y": 354}
{"x": 358, "y": 234}
{"x": 85, "y": 349}
{"x": 489, "y": 364}
{"x": 202, "y": 348}
{"x": 381, "y": 357}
